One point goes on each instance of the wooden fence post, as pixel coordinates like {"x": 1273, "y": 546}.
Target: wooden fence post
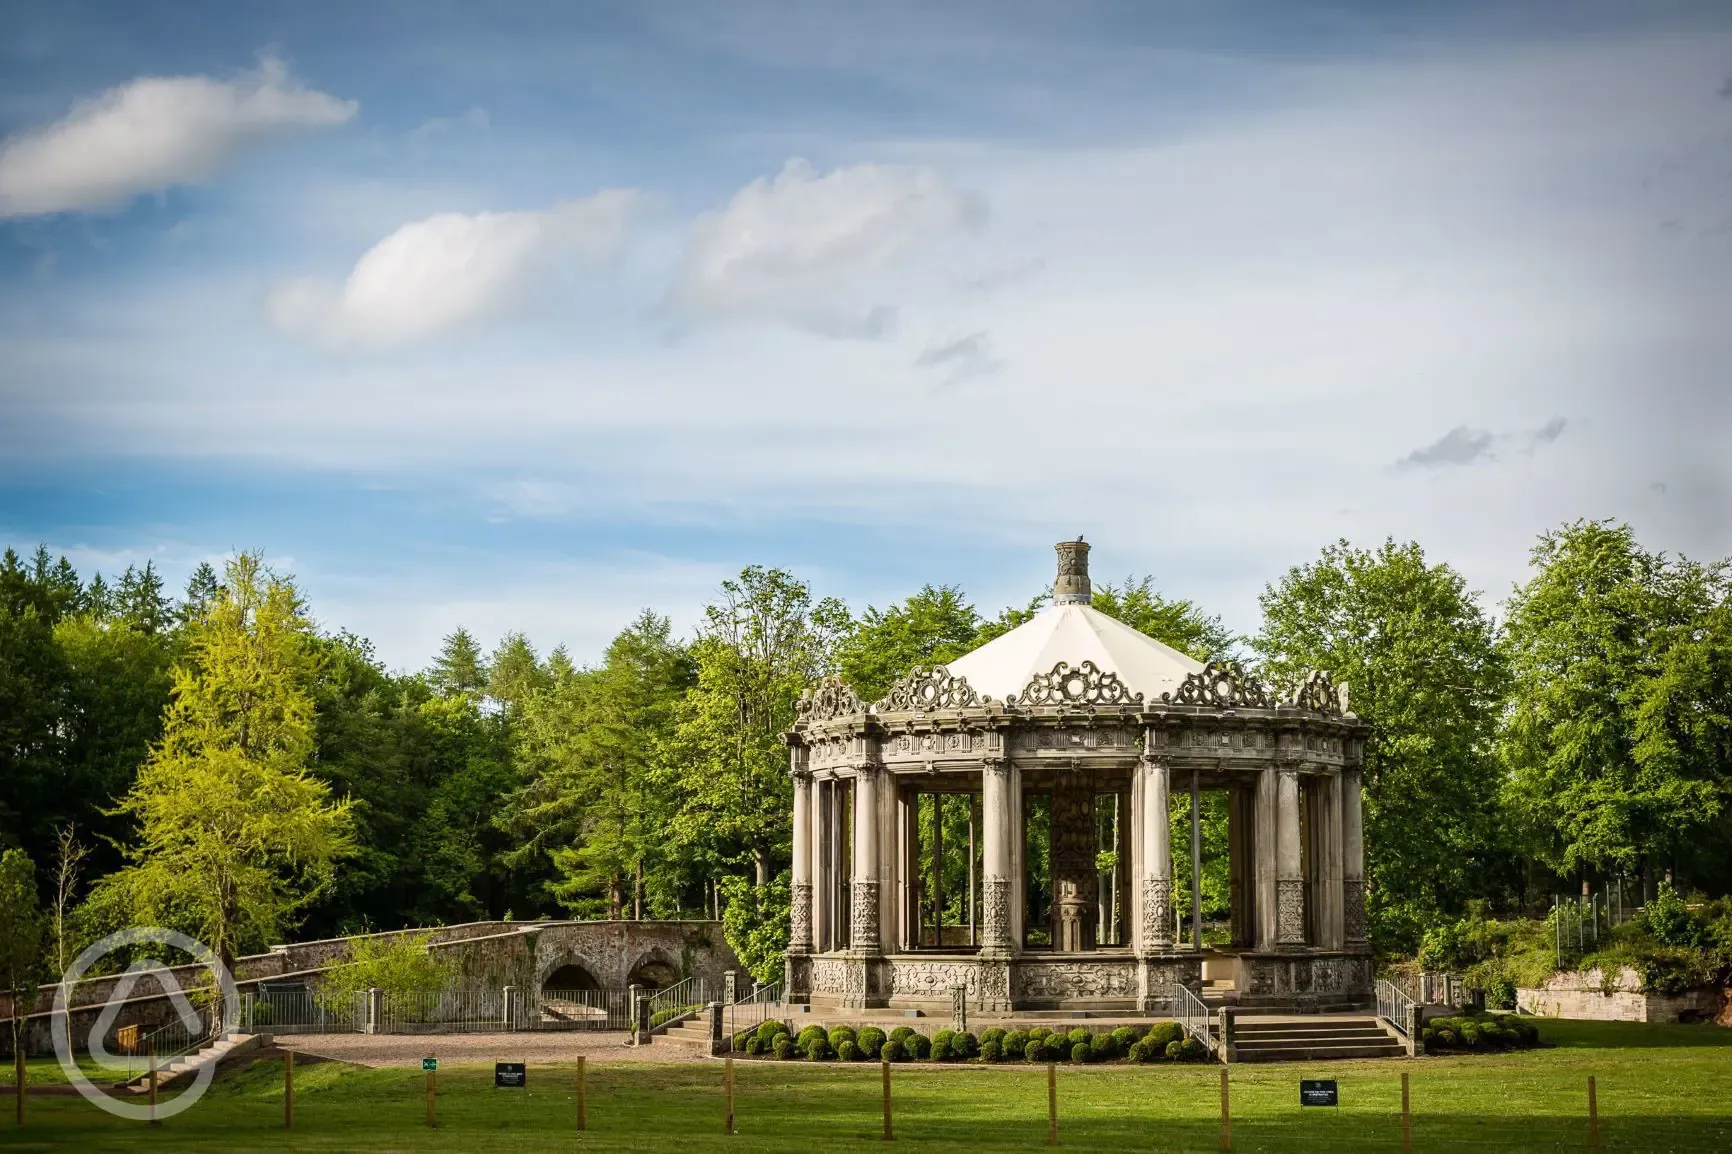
{"x": 154, "y": 1120}
{"x": 430, "y": 1092}
{"x": 1406, "y": 1119}
{"x": 728, "y": 1091}
{"x": 288, "y": 1089}
{"x": 1226, "y": 1114}
{"x": 1593, "y": 1117}
{"x": 582, "y": 1120}
{"x": 1052, "y": 1104}
{"x": 886, "y": 1065}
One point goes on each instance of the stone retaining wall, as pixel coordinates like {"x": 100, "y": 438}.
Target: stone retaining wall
{"x": 1587, "y": 996}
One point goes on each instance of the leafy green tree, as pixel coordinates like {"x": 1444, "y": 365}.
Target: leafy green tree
{"x": 1422, "y": 660}
{"x": 515, "y": 673}
{"x": 1179, "y": 623}
{"x": 1618, "y": 733}
{"x": 459, "y": 668}
{"x": 755, "y": 921}
{"x": 401, "y": 965}
{"x": 21, "y": 929}
{"x": 234, "y": 835}
{"x": 202, "y": 588}
{"x": 34, "y": 687}
{"x": 933, "y": 626}
{"x": 590, "y": 743}
{"x": 762, "y": 642}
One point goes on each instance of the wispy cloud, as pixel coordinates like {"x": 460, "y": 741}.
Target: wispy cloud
{"x": 152, "y": 134}
{"x": 1460, "y": 446}
{"x": 450, "y": 271}
{"x": 966, "y": 357}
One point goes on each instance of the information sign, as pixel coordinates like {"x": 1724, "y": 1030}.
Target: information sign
{"x": 1319, "y": 1092}
{"x": 509, "y": 1074}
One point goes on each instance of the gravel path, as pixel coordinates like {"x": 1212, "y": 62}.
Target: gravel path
{"x": 462, "y": 1049}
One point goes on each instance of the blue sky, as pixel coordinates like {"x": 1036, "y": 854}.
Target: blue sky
{"x": 529, "y": 316}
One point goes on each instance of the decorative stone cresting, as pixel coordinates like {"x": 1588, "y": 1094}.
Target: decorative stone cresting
{"x": 928, "y": 687}
{"x": 1223, "y": 684}
{"x": 829, "y": 699}
{"x": 1319, "y": 694}
{"x": 1084, "y": 685}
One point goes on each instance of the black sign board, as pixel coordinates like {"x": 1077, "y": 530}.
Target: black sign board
{"x": 513, "y": 1074}
{"x": 1318, "y": 1092}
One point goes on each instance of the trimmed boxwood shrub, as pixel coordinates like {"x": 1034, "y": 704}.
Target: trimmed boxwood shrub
{"x": 918, "y": 1046}
{"x": 784, "y": 1047}
{"x": 941, "y": 1046}
{"x": 848, "y": 1051}
{"x": 818, "y": 1048}
{"x": 993, "y": 1034}
{"x": 768, "y": 1030}
{"x": 1015, "y": 1043}
{"x": 1122, "y": 1039}
{"x": 1165, "y": 1033}
{"x": 899, "y": 1034}
{"x": 870, "y": 1040}
{"x": 1104, "y": 1048}
{"x": 1058, "y": 1047}
{"x": 754, "y": 1045}
{"x": 991, "y": 1051}
{"x": 840, "y": 1034}
{"x": 1077, "y": 1035}
{"x": 804, "y": 1041}
{"x": 1038, "y": 1033}
{"x": 1081, "y": 1052}
{"x": 1480, "y": 1032}
{"x": 1142, "y": 1050}
{"x": 1035, "y": 1051}
{"x": 965, "y": 1045}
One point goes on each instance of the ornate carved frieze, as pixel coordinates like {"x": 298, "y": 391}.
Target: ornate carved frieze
{"x": 1157, "y": 913}
{"x": 1081, "y": 979}
{"x": 1353, "y": 909}
{"x": 838, "y": 976}
{"x": 1319, "y": 694}
{"x": 933, "y": 980}
{"x": 929, "y": 687}
{"x": 1224, "y": 684}
{"x": 829, "y": 699}
{"x": 800, "y": 919}
{"x": 1087, "y": 684}
{"x": 1290, "y": 912}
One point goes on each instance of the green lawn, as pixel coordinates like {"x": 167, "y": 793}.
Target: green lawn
{"x": 1660, "y": 1088}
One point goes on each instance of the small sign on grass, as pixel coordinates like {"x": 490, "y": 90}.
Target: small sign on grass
{"x": 429, "y": 1064}
{"x": 509, "y": 1074}
{"x": 1319, "y": 1092}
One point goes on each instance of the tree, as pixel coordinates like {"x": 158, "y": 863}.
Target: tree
{"x": 1179, "y": 623}
{"x": 402, "y": 965}
{"x": 514, "y": 673}
{"x": 1618, "y": 734}
{"x": 69, "y": 855}
{"x": 458, "y": 669}
{"x": 590, "y": 743}
{"x": 34, "y": 685}
{"x": 760, "y": 645}
{"x": 201, "y": 589}
{"x": 1425, "y": 671}
{"x": 933, "y": 626}
{"x": 20, "y": 938}
{"x": 234, "y": 835}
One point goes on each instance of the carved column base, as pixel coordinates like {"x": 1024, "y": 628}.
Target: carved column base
{"x": 994, "y": 996}
{"x": 1157, "y": 916}
{"x": 863, "y": 919}
{"x": 800, "y": 919}
{"x": 995, "y": 918}
{"x": 1290, "y": 914}
{"x": 1157, "y": 978}
{"x": 797, "y": 978}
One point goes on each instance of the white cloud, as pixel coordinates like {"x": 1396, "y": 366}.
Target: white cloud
{"x": 153, "y": 133}
{"x": 450, "y": 271}
{"x": 792, "y": 245}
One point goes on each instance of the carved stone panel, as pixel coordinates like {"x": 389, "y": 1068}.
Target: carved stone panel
{"x": 1057, "y": 981}
{"x": 1157, "y": 913}
{"x": 800, "y": 919}
{"x": 863, "y": 920}
{"x": 995, "y": 911}
{"x": 838, "y": 976}
{"x": 933, "y": 980}
{"x": 1290, "y": 912}
{"x": 1353, "y": 909}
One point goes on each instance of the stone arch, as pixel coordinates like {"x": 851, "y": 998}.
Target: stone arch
{"x": 654, "y": 970}
{"x": 569, "y": 974}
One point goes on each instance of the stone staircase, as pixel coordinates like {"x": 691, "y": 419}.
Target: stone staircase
{"x": 228, "y": 1046}
{"x": 694, "y": 1031}
{"x": 1312, "y": 1039}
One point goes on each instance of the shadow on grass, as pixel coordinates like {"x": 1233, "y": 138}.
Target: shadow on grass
{"x": 1631, "y": 1035}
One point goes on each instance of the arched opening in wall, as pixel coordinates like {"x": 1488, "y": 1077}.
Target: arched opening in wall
{"x": 654, "y": 974}
{"x": 570, "y": 977}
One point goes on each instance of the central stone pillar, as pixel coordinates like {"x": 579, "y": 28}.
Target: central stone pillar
{"x": 1074, "y": 877}
{"x": 863, "y": 922}
{"x": 1289, "y": 872}
{"x": 1157, "y": 857}
{"x": 997, "y": 943}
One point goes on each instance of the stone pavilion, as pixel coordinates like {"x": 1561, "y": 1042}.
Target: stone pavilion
{"x": 1058, "y": 747}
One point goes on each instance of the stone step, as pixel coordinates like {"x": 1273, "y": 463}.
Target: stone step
{"x": 1255, "y": 1045}
{"x": 1321, "y": 1052}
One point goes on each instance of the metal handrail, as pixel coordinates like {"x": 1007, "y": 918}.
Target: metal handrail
{"x": 1393, "y": 1005}
{"x": 1192, "y": 1013}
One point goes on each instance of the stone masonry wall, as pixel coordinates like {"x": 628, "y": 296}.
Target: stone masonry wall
{"x": 1584, "y": 996}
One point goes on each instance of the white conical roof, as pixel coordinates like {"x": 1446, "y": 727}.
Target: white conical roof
{"x": 1074, "y": 632}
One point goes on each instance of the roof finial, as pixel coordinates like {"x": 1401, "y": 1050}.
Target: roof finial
{"x": 1072, "y": 586}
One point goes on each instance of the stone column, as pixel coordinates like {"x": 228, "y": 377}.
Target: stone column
{"x": 1289, "y": 875}
{"x": 800, "y": 921}
{"x": 1156, "y": 853}
{"x": 995, "y": 856}
{"x": 1352, "y": 857}
{"x": 863, "y": 919}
